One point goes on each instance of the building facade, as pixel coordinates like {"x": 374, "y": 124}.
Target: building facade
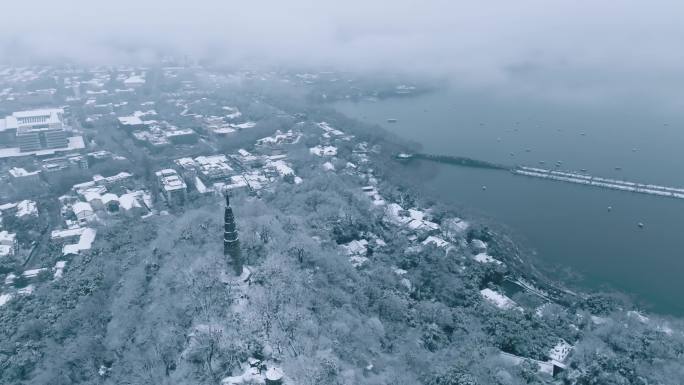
{"x": 36, "y": 129}
{"x": 172, "y": 186}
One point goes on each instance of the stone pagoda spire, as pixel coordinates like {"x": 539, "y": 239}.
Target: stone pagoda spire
{"x": 231, "y": 243}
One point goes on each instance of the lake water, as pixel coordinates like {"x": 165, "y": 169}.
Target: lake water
{"x": 566, "y": 225}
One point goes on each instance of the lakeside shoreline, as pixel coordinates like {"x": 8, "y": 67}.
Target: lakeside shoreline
{"x": 566, "y": 271}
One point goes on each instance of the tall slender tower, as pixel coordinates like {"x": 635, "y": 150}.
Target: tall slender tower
{"x": 231, "y": 243}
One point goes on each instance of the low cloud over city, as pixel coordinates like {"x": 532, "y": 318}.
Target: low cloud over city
{"x": 584, "y": 50}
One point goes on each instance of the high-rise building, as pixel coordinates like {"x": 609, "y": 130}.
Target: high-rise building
{"x": 37, "y": 129}
{"x": 231, "y": 243}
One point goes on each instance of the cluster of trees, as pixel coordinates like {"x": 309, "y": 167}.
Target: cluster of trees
{"x": 149, "y": 305}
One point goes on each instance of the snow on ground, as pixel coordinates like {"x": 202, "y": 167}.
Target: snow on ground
{"x": 638, "y": 316}
{"x": 4, "y": 298}
{"x": 484, "y": 258}
{"x": 244, "y": 125}
{"x": 251, "y": 375}
{"x": 378, "y": 200}
{"x": 233, "y": 112}
{"x": 394, "y": 211}
{"x": 497, "y": 299}
{"x": 32, "y": 273}
{"x": 223, "y": 130}
{"x": 327, "y": 166}
{"x": 357, "y": 261}
{"x": 356, "y": 247}
{"x": 28, "y": 290}
{"x": 456, "y": 225}
{"x": 560, "y": 351}
{"x": 6, "y": 250}
{"x": 478, "y": 245}
{"x": 59, "y": 269}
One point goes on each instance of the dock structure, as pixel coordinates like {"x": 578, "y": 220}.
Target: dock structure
{"x": 588, "y": 180}
{"x": 556, "y": 175}
{"x": 453, "y": 160}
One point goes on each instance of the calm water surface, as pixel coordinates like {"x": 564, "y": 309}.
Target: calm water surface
{"x": 568, "y": 225}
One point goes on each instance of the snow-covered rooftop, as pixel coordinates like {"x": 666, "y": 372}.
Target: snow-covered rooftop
{"x": 356, "y": 247}
{"x": 4, "y": 298}
{"x": 170, "y": 180}
{"x": 327, "y": 166}
{"x": 130, "y": 201}
{"x": 437, "y": 241}
{"x": 281, "y": 167}
{"x": 130, "y": 121}
{"x": 18, "y": 172}
{"x": 27, "y": 208}
{"x": 323, "y": 150}
{"x": 560, "y": 352}
{"x": 82, "y": 208}
{"x": 85, "y": 242}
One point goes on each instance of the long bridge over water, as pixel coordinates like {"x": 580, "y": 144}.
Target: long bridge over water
{"x": 554, "y": 175}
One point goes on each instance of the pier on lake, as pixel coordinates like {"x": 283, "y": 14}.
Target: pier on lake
{"x": 553, "y": 175}
{"x": 588, "y": 180}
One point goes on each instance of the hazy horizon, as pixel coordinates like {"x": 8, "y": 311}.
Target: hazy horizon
{"x": 582, "y": 51}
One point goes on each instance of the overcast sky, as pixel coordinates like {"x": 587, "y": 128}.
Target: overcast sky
{"x": 573, "y": 48}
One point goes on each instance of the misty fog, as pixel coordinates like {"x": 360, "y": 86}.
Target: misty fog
{"x": 583, "y": 51}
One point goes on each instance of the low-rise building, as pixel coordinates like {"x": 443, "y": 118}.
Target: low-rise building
{"x": 53, "y": 165}
{"x": 110, "y": 202}
{"x": 135, "y": 81}
{"x": 132, "y": 203}
{"x": 323, "y": 150}
{"x": 22, "y": 209}
{"x": 8, "y": 243}
{"x": 131, "y": 123}
{"x": 26, "y": 180}
{"x": 172, "y": 186}
{"x": 213, "y": 168}
{"x": 279, "y": 138}
{"x": 181, "y": 136}
{"x": 84, "y": 212}
{"x": 76, "y": 240}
